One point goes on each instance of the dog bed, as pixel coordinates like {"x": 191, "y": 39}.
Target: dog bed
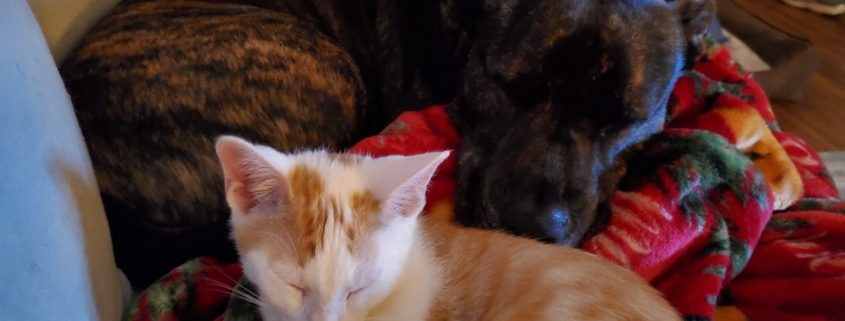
{"x": 722, "y": 208}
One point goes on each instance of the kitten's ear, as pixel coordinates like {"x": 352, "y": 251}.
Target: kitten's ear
{"x": 401, "y": 181}
{"x": 251, "y": 181}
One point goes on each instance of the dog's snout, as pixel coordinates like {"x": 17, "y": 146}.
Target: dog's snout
{"x": 554, "y": 227}
{"x": 549, "y": 223}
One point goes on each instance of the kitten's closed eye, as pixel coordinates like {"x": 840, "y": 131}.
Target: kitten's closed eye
{"x": 297, "y": 288}
{"x": 350, "y": 293}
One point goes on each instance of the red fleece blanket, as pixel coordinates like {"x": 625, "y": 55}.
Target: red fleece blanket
{"x": 720, "y": 206}
{"x": 706, "y": 187}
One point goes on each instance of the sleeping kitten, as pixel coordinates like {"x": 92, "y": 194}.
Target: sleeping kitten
{"x": 340, "y": 237}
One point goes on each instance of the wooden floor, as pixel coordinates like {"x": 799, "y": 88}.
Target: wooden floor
{"x": 820, "y": 117}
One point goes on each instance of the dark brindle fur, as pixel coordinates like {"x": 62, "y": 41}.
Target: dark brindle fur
{"x": 547, "y": 95}
{"x": 555, "y": 97}
{"x": 543, "y": 146}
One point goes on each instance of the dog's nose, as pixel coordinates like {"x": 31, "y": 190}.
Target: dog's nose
{"x": 553, "y": 227}
{"x": 546, "y": 223}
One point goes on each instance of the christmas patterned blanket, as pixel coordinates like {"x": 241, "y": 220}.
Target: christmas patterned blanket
{"x": 722, "y": 208}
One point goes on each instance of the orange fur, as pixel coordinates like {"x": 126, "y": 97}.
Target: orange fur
{"x": 495, "y": 276}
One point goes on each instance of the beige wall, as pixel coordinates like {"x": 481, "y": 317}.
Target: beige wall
{"x": 63, "y": 22}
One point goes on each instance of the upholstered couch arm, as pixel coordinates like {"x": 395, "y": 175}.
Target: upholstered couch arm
{"x": 57, "y": 261}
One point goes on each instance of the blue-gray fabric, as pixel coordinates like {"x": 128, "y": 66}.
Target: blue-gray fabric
{"x": 57, "y": 258}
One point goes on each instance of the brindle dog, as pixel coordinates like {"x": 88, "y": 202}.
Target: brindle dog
{"x": 555, "y": 97}
{"x": 156, "y": 80}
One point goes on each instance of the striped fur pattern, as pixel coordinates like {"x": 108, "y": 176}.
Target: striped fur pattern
{"x": 329, "y": 237}
{"x": 155, "y": 79}
{"x": 258, "y": 75}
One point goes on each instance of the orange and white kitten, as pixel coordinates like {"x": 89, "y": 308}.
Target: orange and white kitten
{"x": 330, "y": 237}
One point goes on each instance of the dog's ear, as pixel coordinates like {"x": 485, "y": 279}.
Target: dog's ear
{"x": 695, "y": 17}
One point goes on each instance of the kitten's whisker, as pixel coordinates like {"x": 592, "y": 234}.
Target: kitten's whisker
{"x": 236, "y": 283}
{"x": 222, "y": 286}
{"x": 250, "y": 299}
{"x": 224, "y": 274}
{"x": 294, "y": 250}
{"x": 288, "y": 245}
{"x": 240, "y": 287}
{"x": 237, "y": 291}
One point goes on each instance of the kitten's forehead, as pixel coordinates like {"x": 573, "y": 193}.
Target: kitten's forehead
{"x": 329, "y": 208}
{"x": 340, "y": 173}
